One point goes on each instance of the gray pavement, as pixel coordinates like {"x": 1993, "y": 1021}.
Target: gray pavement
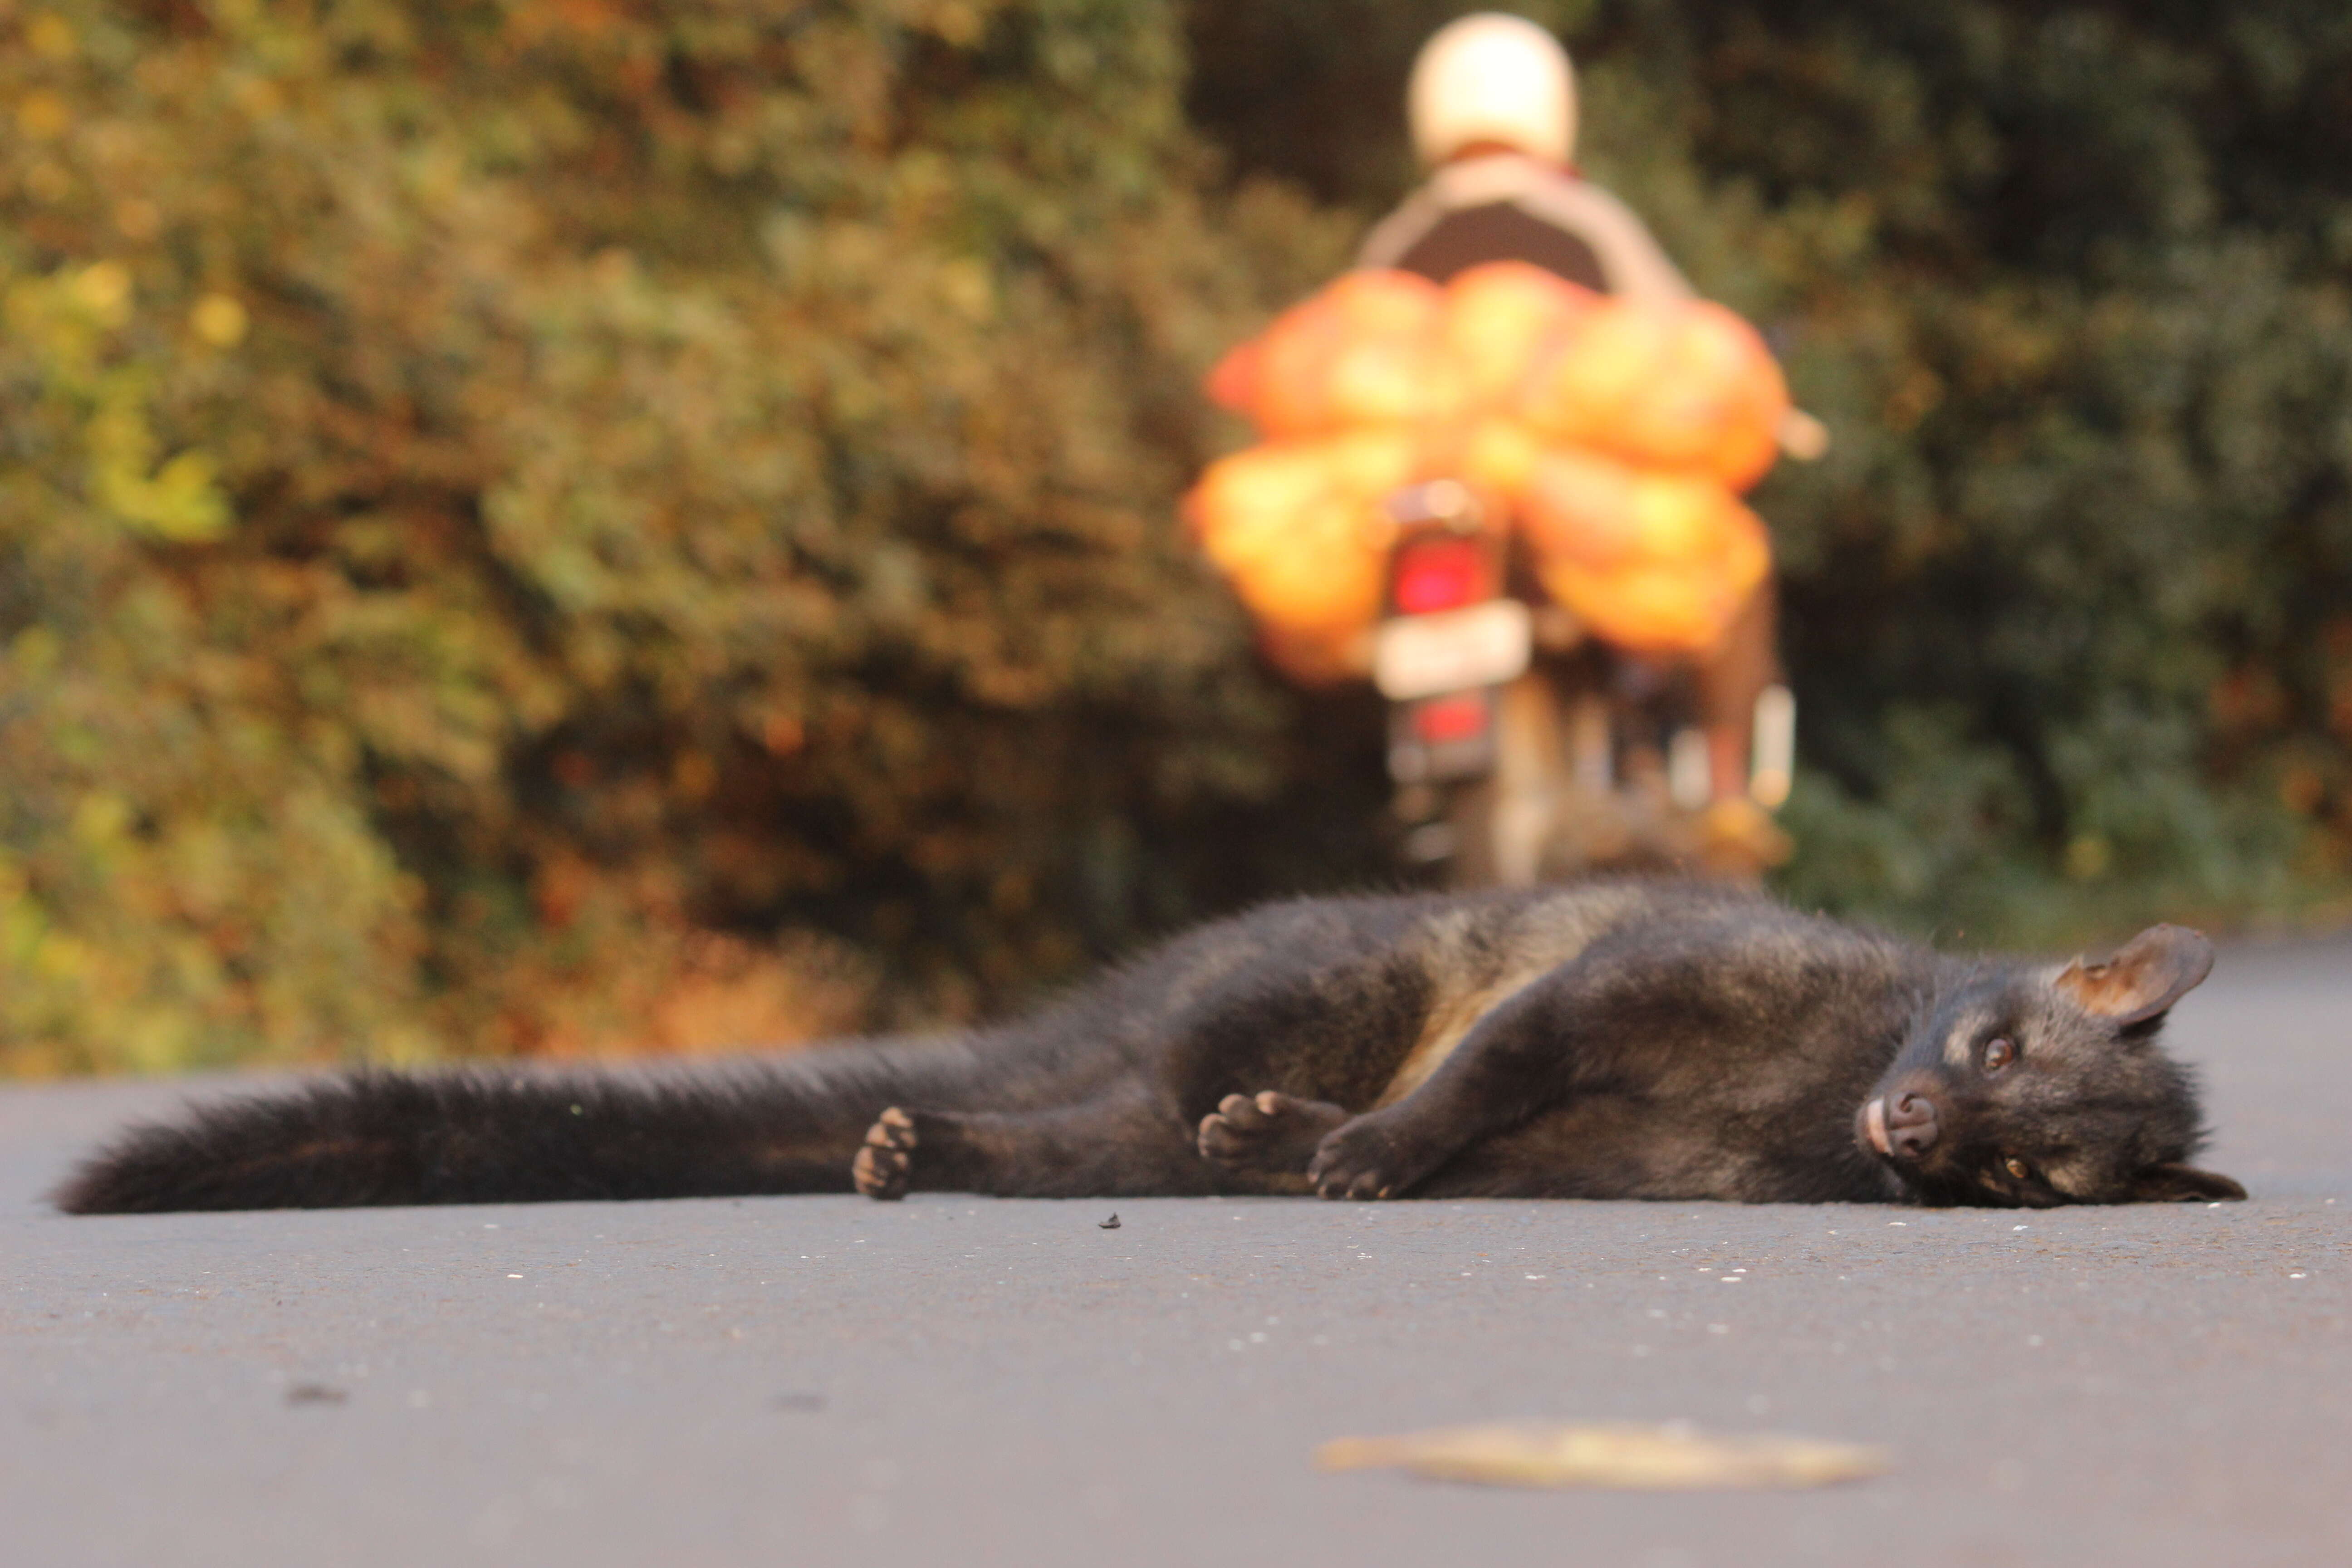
{"x": 959, "y": 1381}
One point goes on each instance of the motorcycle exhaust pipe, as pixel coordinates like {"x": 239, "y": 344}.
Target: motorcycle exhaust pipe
{"x": 1773, "y": 753}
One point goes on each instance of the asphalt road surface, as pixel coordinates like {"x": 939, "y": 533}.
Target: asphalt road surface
{"x": 955, "y": 1381}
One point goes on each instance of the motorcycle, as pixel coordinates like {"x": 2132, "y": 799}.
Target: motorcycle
{"x": 1522, "y": 748}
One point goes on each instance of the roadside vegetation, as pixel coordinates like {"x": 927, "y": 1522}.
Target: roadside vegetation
{"x": 530, "y": 526}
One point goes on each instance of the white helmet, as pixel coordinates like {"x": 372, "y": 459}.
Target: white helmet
{"x": 1487, "y": 76}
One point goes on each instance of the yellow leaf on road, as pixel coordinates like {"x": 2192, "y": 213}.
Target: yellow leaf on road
{"x": 1649, "y": 1458}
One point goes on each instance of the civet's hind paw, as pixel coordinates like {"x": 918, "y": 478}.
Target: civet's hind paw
{"x": 881, "y": 1167}
{"x": 1268, "y": 1132}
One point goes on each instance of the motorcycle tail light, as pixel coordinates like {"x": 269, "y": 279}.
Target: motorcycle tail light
{"x": 1440, "y": 574}
{"x": 1445, "y": 720}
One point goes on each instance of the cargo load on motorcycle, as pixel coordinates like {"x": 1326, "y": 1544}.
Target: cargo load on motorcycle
{"x": 1500, "y": 476}
{"x": 1618, "y": 434}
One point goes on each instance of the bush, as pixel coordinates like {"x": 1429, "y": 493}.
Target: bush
{"x": 495, "y": 490}
{"x": 530, "y": 524}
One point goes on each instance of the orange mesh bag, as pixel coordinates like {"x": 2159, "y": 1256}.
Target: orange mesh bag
{"x": 1286, "y": 522}
{"x": 1688, "y": 386}
{"x": 1654, "y": 561}
{"x": 1499, "y": 454}
{"x": 1614, "y": 427}
{"x": 1498, "y": 319}
{"x": 1361, "y": 351}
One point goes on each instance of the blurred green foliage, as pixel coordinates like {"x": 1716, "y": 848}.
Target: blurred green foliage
{"x": 516, "y": 514}
{"x": 490, "y": 492}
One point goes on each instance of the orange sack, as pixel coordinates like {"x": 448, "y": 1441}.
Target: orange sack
{"x": 1289, "y": 524}
{"x": 1616, "y": 430}
{"x": 1498, "y": 321}
{"x": 1382, "y": 347}
{"x": 1654, "y": 561}
{"x": 1687, "y": 386}
{"x": 1362, "y": 350}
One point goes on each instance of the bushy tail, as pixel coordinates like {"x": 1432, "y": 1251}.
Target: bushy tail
{"x": 373, "y": 1138}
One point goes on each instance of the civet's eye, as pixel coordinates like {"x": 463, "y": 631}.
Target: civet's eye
{"x": 1999, "y": 1055}
{"x": 2017, "y": 1167}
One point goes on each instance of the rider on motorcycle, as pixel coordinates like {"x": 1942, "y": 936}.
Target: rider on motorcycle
{"x": 1493, "y": 108}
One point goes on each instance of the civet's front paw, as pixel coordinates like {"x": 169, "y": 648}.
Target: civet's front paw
{"x": 1268, "y": 1134}
{"x": 882, "y": 1167}
{"x": 1366, "y": 1158}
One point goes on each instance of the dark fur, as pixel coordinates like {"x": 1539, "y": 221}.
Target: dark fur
{"x": 1616, "y": 1040}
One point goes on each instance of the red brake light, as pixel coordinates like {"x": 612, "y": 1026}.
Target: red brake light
{"x": 1441, "y": 574}
{"x": 1446, "y": 719}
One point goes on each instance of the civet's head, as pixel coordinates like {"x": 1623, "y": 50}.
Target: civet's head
{"x": 2037, "y": 1086}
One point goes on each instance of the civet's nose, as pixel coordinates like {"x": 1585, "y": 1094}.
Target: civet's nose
{"x": 1903, "y": 1127}
{"x": 1910, "y": 1125}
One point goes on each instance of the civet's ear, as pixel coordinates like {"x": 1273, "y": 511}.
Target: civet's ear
{"x": 2147, "y": 975}
{"x": 2184, "y": 1185}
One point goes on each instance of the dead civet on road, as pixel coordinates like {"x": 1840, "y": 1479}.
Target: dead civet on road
{"x": 1621, "y": 1039}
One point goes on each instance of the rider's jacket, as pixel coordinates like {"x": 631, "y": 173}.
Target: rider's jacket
{"x": 1505, "y": 206}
